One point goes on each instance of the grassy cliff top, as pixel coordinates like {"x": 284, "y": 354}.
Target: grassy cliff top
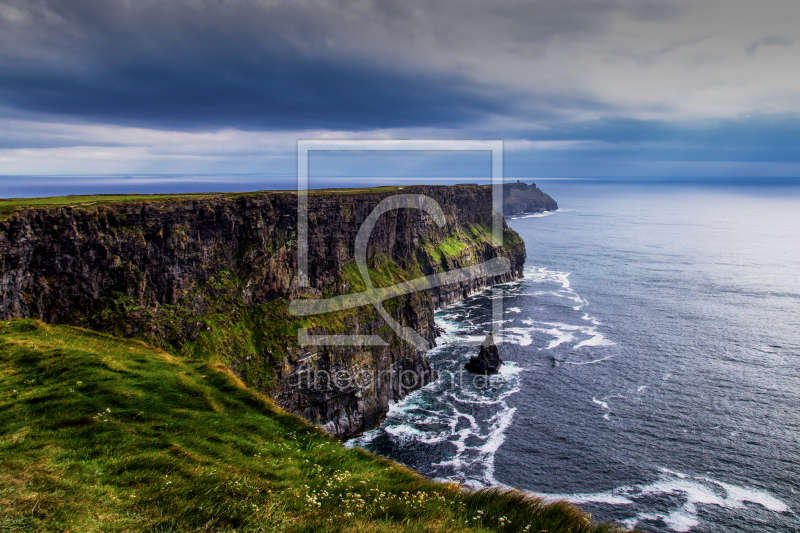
{"x": 9, "y": 206}
{"x": 99, "y": 433}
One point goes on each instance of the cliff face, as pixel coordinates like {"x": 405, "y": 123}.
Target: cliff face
{"x": 519, "y": 198}
{"x": 211, "y": 278}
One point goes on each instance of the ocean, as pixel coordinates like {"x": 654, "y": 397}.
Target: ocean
{"x": 652, "y": 363}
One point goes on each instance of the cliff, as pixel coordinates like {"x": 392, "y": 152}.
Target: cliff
{"x": 519, "y": 198}
{"x": 210, "y": 277}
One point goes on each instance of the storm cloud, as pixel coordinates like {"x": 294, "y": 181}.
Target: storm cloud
{"x": 236, "y": 64}
{"x": 616, "y": 72}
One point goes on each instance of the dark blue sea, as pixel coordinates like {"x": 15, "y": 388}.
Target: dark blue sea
{"x": 652, "y": 368}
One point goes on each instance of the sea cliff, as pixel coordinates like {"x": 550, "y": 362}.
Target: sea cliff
{"x": 519, "y": 198}
{"x": 210, "y": 277}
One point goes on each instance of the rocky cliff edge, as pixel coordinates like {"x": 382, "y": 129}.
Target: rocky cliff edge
{"x": 210, "y": 277}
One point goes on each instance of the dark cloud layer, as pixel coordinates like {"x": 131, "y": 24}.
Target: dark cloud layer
{"x": 240, "y": 64}
{"x": 360, "y": 64}
{"x": 624, "y": 80}
{"x": 771, "y": 138}
{"x": 277, "y": 93}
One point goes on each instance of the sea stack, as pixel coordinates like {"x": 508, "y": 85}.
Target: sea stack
{"x": 488, "y": 359}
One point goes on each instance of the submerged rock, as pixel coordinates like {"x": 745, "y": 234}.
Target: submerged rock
{"x": 488, "y": 359}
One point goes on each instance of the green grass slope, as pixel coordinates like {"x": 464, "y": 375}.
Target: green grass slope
{"x": 99, "y": 433}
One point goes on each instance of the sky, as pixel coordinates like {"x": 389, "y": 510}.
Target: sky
{"x": 706, "y": 88}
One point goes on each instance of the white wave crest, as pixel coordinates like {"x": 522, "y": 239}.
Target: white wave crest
{"x": 696, "y": 491}
{"x": 592, "y": 362}
{"x": 540, "y": 214}
{"x": 602, "y": 404}
{"x": 474, "y": 438}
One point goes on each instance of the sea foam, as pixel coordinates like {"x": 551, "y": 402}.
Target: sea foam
{"x": 696, "y": 491}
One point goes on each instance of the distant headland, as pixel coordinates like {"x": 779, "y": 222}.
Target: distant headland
{"x": 519, "y": 198}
